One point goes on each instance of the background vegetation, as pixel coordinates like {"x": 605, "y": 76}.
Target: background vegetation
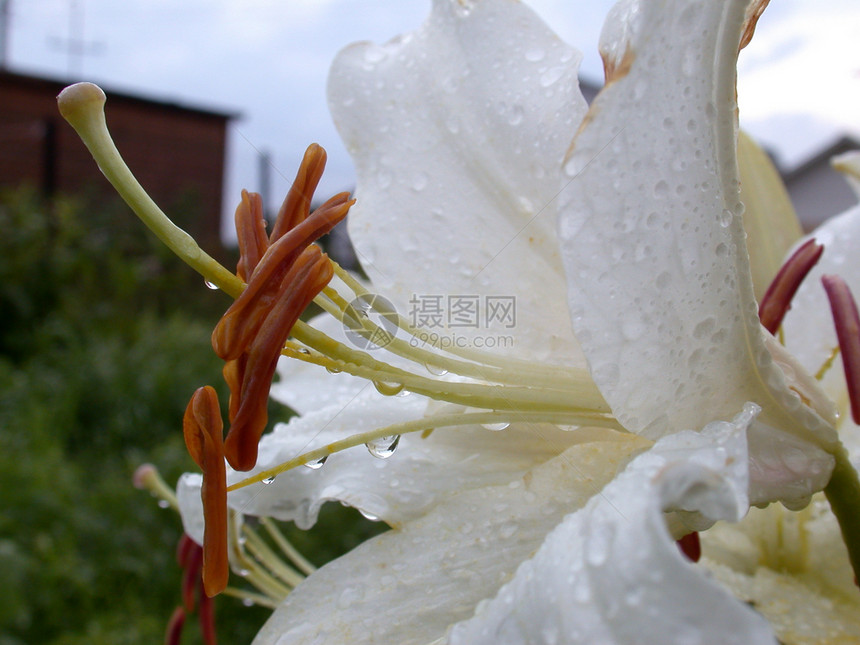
{"x": 103, "y": 338}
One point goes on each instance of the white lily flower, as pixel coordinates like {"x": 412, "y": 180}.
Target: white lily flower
{"x": 461, "y": 136}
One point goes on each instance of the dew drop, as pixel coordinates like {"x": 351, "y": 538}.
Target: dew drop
{"x": 368, "y": 516}
{"x": 268, "y": 480}
{"x": 495, "y": 427}
{"x": 726, "y": 218}
{"x": 243, "y": 573}
{"x": 383, "y": 447}
{"x": 210, "y": 285}
{"x": 333, "y": 370}
{"x": 163, "y": 504}
{"x": 552, "y": 75}
{"x": 661, "y": 189}
{"x": 535, "y": 55}
{"x": 435, "y": 369}
{"x": 247, "y": 602}
{"x": 316, "y": 464}
{"x": 419, "y": 182}
{"x": 388, "y": 389}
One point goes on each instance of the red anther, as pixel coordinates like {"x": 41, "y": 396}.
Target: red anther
{"x": 191, "y": 578}
{"x": 847, "y": 323}
{"x": 777, "y": 300}
{"x": 207, "y": 620}
{"x": 298, "y": 288}
{"x": 173, "y": 633}
{"x": 251, "y": 234}
{"x": 691, "y": 546}
{"x": 297, "y": 204}
{"x": 184, "y": 549}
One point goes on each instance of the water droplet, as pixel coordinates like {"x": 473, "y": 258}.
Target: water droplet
{"x": 726, "y": 218}
{"x": 268, "y": 480}
{"x": 661, "y": 189}
{"x": 316, "y": 464}
{"x": 247, "y": 602}
{"x": 552, "y": 75}
{"x": 210, "y": 285}
{"x": 303, "y": 350}
{"x": 383, "y": 447}
{"x": 535, "y": 55}
{"x": 163, "y": 504}
{"x": 495, "y": 427}
{"x": 435, "y": 369}
{"x": 419, "y": 182}
{"x": 515, "y": 115}
{"x": 368, "y": 516}
{"x": 388, "y": 389}
{"x": 242, "y": 573}
{"x": 333, "y": 370}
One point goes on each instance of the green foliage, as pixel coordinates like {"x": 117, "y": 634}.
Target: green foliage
{"x": 103, "y": 338}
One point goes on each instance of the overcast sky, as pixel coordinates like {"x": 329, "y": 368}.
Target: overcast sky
{"x": 268, "y": 60}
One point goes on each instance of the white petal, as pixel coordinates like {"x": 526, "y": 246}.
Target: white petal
{"x": 420, "y": 474}
{"x": 793, "y": 568}
{"x": 611, "y": 573}
{"x": 659, "y": 282}
{"x": 458, "y": 147}
{"x": 406, "y": 586}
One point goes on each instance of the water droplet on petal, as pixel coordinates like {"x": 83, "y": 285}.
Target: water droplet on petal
{"x": 268, "y": 480}
{"x": 383, "y": 447}
{"x": 247, "y": 602}
{"x": 316, "y": 464}
{"x": 726, "y": 217}
{"x": 210, "y": 285}
{"x": 333, "y": 370}
{"x": 369, "y": 516}
{"x": 163, "y": 504}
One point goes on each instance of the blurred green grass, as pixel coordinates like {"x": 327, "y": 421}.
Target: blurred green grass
{"x": 103, "y": 337}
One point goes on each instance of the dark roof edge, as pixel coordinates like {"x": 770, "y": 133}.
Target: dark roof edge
{"x": 56, "y": 86}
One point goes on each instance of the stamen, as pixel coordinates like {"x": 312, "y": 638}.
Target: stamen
{"x": 146, "y": 477}
{"x": 297, "y": 203}
{"x": 234, "y": 331}
{"x": 847, "y": 323}
{"x": 173, "y": 633}
{"x": 690, "y": 546}
{"x": 777, "y": 300}
{"x": 583, "y": 418}
{"x": 251, "y": 234}
{"x": 191, "y": 575}
{"x": 202, "y": 427}
{"x": 297, "y": 289}
{"x": 207, "y": 620}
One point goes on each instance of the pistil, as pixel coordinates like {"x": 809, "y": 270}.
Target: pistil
{"x": 777, "y": 299}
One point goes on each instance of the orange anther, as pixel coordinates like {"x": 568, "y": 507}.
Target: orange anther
{"x": 251, "y": 234}
{"x": 203, "y": 430}
{"x": 297, "y": 204}
{"x": 304, "y": 281}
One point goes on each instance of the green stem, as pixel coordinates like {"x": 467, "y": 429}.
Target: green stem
{"x": 843, "y": 493}
{"x": 82, "y": 105}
